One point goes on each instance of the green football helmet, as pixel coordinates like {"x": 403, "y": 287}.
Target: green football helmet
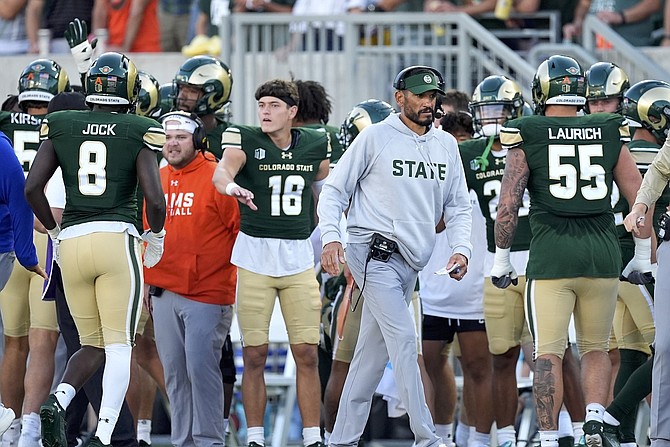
{"x": 166, "y": 97}
{"x": 210, "y": 75}
{"x": 361, "y": 116}
{"x": 112, "y": 79}
{"x": 605, "y": 80}
{"x": 647, "y": 104}
{"x": 148, "y": 100}
{"x": 41, "y": 80}
{"x": 558, "y": 80}
{"x": 495, "y": 100}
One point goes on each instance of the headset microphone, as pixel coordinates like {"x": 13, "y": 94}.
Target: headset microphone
{"x": 438, "y": 113}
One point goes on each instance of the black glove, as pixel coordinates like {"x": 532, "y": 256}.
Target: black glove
{"x": 504, "y": 282}
{"x": 639, "y": 278}
{"x": 76, "y": 35}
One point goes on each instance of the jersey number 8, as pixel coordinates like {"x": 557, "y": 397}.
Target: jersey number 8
{"x": 92, "y": 163}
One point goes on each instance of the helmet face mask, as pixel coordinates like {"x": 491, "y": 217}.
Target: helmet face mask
{"x": 41, "y": 80}
{"x": 211, "y": 76}
{"x": 647, "y": 104}
{"x": 112, "y": 79}
{"x": 605, "y": 80}
{"x": 495, "y": 100}
{"x": 558, "y": 80}
{"x": 361, "y": 116}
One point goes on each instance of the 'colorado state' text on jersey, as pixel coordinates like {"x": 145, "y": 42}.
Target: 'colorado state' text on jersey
{"x": 97, "y": 152}
{"x": 24, "y": 131}
{"x": 486, "y": 182}
{"x": 280, "y": 179}
{"x": 571, "y": 160}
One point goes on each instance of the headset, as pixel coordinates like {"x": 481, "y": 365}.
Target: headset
{"x": 399, "y": 81}
{"x": 200, "y": 141}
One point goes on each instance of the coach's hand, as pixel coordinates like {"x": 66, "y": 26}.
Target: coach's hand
{"x": 332, "y": 257}
{"x": 154, "y": 250}
{"x": 503, "y": 273}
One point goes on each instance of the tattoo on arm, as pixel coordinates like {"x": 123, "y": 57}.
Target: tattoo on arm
{"x": 544, "y": 389}
{"x": 511, "y": 197}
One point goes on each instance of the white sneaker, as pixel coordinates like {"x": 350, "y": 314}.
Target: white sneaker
{"x": 7, "y": 416}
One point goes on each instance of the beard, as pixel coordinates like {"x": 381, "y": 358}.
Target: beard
{"x": 415, "y": 118}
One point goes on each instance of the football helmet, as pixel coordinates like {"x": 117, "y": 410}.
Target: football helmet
{"x": 361, "y": 116}
{"x": 495, "y": 100}
{"x": 647, "y": 104}
{"x": 558, "y": 80}
{"x": 41, "y": 80}
{"x": 605, "y": 80}
{"x": 210, "y": 75}
{"x": 166, "y": 98}
{"x": 148, "y": 100}
{"x": 112, "y": 79}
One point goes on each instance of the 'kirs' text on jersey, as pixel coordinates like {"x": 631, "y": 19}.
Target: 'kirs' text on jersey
{"x": 575, "y": 133}
{"x": 419, "y": 169}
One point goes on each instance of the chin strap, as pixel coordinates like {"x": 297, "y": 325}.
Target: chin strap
{"x": 482, "y": 161}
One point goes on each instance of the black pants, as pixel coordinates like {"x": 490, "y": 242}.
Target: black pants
{"x": 124, "y": 434}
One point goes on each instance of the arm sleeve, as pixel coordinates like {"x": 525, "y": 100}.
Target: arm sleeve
{"x": 339, "y": 187}
{"x": 21, "y": 215}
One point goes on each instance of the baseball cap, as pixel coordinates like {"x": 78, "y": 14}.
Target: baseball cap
{"x": 68, "y": 101}
{"x": 422, "y": 82}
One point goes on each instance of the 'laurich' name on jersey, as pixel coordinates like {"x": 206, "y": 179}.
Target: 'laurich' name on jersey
{"x": 568, "y": 133}
{"x": 419, "y": 169}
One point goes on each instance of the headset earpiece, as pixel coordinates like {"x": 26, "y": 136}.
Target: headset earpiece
{"x": 200, "y": 141}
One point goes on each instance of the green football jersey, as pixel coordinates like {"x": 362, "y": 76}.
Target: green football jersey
{"x": 571, "y": 160}
{"x": 24, "y": 131}
{"x": 281, "y": 180}
{"x": 214, "y": 137}
{"x": 336, "y": 149}
{"x": 97, "y": 152}
{"x": 485, "y": 179}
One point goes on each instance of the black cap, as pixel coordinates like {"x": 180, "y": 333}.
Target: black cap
{"x": 68, "y": 101}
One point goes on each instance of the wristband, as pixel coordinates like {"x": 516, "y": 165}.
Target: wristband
{"x": 623, "y": 17}
{"x": 642, "y": 248}
{"x": 159, "y": 234}
{"x": 53, "y": 233}
{"x": 230, "y": 186}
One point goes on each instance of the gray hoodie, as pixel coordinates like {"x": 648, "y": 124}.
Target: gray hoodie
{"x": 399, "y": 184}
